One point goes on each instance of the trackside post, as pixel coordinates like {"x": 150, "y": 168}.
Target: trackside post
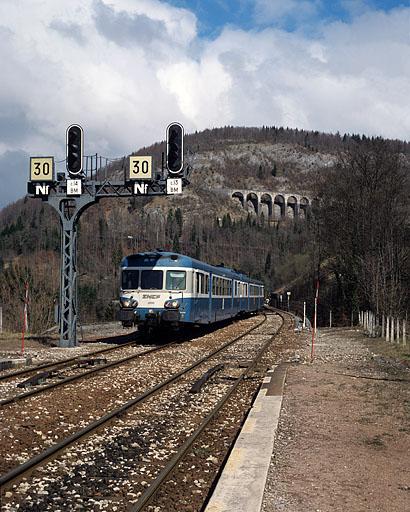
{"x": 314, "y": 321}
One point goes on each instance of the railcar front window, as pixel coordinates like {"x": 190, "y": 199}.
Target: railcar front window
{"x": 129, "y": 279}
{"x": 176, "y": 280}
{"x": 151, "y": 279}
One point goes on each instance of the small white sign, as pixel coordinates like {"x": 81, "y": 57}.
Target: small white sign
{"x": 174, "y": 186}
{"x": 42, "y": 189}
{"x": 73, "y": 187}
{"x": 140, "y": 188}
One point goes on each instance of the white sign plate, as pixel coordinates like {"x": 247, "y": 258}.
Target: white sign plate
{"x": 140, "y": 188}
{"x": 73, "y": 187}
{"x": 140, "y": 168}
{"x": 174, "y": 186}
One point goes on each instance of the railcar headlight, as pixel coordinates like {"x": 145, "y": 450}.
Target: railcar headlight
{"x": 171, "y": 304}
{"x": 128, "y": 302}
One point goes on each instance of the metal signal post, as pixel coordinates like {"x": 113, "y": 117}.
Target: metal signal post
{"x": 71, "y": 196}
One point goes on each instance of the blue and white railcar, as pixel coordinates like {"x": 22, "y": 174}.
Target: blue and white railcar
{"x": 165, "y": 288}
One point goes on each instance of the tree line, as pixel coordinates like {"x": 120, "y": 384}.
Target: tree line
{"x": 362, "y": 229}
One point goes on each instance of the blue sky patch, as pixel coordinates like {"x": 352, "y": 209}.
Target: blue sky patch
{"x": 303, "y": 15}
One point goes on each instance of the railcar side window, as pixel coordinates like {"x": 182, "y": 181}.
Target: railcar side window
{"x": 151, "y": 279}
{"x": 176, "y": 280}
{"x": 129, "y": 279}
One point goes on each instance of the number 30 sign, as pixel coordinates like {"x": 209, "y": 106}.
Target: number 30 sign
{"x": 42, "y": 168}
{"x": 140, "y": 168}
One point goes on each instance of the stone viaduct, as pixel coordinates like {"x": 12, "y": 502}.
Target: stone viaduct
{"x": 273, "y": 205}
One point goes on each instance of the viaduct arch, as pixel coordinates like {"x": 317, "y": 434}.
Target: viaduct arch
{"x": 273, "y": 205}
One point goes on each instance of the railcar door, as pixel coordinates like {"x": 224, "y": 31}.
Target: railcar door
{"x": 211, "y": 279}
{"x": 195, "y": 296}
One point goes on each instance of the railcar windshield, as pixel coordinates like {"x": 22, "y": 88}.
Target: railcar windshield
{"x": 151, "y": 279}
{"x": 176, "y": 280}
{"x": 129, "y": 279}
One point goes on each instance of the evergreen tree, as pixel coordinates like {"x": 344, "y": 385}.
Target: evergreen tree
{"x": 273, "y": 172}
{"x": 175, "y": 244}
{"x": 179, "y": 220}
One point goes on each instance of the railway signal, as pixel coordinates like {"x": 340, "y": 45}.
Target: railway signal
{"x": 175, "y": 148}
{"x": 74, "y": 145}
{"x": 71, "y": 195}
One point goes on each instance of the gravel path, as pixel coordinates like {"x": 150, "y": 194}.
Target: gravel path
{"x": 343, "y": 441}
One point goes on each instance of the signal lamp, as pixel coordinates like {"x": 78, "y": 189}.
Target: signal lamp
{"x": 74, "y": 153}
{"x": 175, "y": 148}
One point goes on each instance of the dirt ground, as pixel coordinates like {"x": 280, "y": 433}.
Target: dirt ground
{"x": 343, "y": 440}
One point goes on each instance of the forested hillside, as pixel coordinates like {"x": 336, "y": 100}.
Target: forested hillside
{"x": 205, "y": 223}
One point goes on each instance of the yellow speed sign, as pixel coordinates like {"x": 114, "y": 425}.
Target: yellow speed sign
{"x": 42, "y": 168}
{"x": 140, "y": 168}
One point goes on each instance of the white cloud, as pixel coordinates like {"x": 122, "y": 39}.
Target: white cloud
{"x": 356, "y": 7}
{"x": 278, "y": 11}
{"x": 125, "y": 69}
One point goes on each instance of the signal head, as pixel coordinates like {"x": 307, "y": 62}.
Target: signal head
{"x": 74, "y": 150}
{"x": 175, "y": 148}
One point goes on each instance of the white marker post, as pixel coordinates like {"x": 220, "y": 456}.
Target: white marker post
{"x": 314, "y": 322}
{"x": 304, "y": 315}
{"x": 25, "y": 317}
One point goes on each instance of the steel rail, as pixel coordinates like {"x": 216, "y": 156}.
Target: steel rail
{"x": 62, "y": 363}
{"x": 150, "y": 492}
{"x": 53, "y": 451}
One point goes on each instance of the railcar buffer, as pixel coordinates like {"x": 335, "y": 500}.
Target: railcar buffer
{"x": 88, "y": 179}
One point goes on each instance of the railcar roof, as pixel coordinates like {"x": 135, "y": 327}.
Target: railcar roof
{"x": 172, "y": 259}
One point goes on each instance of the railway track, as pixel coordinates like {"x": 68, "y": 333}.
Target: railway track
{"x": 80, "y": 372}
{"x": 57, "y": 374}
{"x": 238, "y": 370}
{"x": 56, "y": 365}
{"x": 164, "y": 476}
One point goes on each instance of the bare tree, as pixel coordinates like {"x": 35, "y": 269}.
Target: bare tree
{"x": 363, "y": 219}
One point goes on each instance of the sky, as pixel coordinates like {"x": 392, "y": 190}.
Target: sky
{"x": 125, "y": 69}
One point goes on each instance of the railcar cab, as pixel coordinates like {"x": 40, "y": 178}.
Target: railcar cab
{"x": 153, "y": 289}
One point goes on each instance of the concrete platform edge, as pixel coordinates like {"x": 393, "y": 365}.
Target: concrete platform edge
{"x": 242, "y": 483}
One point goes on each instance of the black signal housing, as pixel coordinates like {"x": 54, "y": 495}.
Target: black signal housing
{"x": 175, "y": 148}
{"x": 74, "y": 150}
